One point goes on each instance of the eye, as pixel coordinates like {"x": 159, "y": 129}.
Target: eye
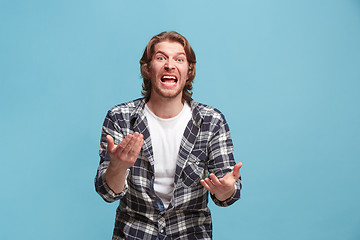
{"x": 160, "y": 58}
{"x": 180, "y": 60}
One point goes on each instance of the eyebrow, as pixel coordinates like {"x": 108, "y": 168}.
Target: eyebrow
{"x": 177, "y": 54}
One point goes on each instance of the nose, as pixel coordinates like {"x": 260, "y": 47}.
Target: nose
{"x": 169, "y": 64}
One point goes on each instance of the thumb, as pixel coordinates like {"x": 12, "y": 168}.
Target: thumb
{"x": 110, "y": 141}
{"x": 236, "y": 170}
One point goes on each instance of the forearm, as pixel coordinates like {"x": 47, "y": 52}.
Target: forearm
{"x": 115, "y": 178}
{"x": 102, "y": 187}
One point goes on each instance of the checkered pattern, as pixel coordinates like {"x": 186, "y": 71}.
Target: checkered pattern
{"x": 205, "y": 147}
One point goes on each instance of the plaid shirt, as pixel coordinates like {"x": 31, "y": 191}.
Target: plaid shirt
{"x": 206, "y": 147}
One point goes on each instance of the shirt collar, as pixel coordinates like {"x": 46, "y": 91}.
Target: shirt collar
{"x": 137, "y": 115}
{"x": 197, "y": 117}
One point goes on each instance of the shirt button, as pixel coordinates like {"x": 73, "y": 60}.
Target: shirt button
{"x": 162, "y": 230}
{"x": 197, "y": 162}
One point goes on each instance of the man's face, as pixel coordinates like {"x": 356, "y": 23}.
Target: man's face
{"x": 169, "y": 70}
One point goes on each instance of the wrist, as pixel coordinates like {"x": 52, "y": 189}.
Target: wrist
{"x": 115, "y": 179}
{"x": 225, "y": 196}
{"x": 116, "y": 168}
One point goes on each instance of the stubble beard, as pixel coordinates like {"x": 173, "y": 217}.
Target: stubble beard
{"x": 168, "y": 95}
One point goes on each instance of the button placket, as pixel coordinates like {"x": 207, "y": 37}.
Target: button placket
{"x": 161, "y": 223}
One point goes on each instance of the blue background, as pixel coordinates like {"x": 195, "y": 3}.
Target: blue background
{"x": 285, "y": 74}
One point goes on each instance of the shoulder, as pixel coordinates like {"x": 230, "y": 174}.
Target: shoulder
{"x": 209, "y": 119}
{"x": 127, "y": 107}
{"x": 207, "y": 113}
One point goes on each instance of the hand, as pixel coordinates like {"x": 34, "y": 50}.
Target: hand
{"x": 223, "y": 188}
{"x": 124, "y": 155}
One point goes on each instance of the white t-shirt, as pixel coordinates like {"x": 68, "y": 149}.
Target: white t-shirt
{"x": 166, "y": 135}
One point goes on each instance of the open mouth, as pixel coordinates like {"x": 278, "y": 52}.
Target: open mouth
{"x": 169, "y": 79}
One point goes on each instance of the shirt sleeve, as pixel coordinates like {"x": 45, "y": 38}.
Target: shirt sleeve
{"x": 221, "y": 159}
{"x": 110, "y": 127}
{"x": 105, "y": 191}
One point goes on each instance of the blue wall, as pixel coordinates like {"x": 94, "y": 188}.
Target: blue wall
{"x": 285, "y": 74}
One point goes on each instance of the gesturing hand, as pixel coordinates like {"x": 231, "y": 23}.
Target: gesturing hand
{"x": 223, "y": 188}
{"x": 124, "y": 155}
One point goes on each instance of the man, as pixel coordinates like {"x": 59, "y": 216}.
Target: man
{"x": 157, "y": 152}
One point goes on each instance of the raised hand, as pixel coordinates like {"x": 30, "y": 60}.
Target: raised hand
{"x": 122, "y": 157}
{"x": 223, "y": 188}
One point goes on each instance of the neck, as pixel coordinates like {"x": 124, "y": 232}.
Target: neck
{"x": 166, "y": 108}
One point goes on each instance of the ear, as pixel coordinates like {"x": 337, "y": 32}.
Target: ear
{"x": 147, "y": 70}
{"x": 190, "y": 72}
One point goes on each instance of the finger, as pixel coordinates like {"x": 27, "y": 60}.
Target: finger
{"x": 135, "y": 135}
{"x": 131, "y": 147}
{"x": 138, "y": 137}
{"x": 210, "y": 184}
{"x": 214, "y": 179}
{"x": 123, "y": 144}
{"x": 110, "y": 142}
{"x": 138, "y": 145}
{"x": 227, "y": 182}
{"x": 205, "y": 185}
{"x": 132, "y": 143}
{"x": 236, "y": 170}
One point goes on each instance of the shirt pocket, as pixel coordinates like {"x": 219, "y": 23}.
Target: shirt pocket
{"x": 194, "y": 169}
